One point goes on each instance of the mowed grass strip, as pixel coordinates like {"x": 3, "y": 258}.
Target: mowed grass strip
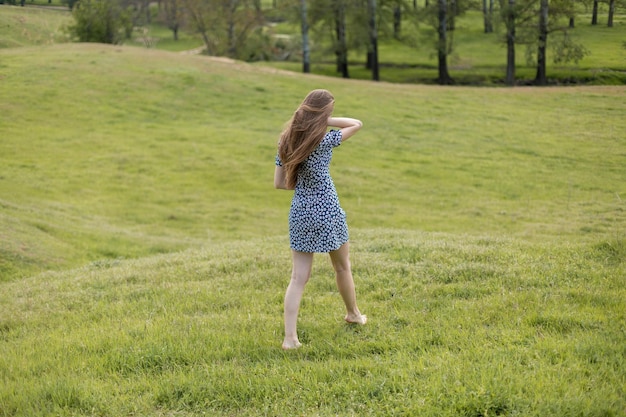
{"x": 459, "y": 325}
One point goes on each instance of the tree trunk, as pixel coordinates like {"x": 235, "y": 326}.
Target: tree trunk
{"x": 611, "y": 12}
{"x": 397, "y": 22}
{"x": 342, "y": 48}
{"x": 230, "y": 17}
{"x": 488, "y": 16}
{"x": 540, "y": 78}
{"x": 571, "y": 22}
{"x": 510, "y": 44}
{"x": 594, "y": 13}
{"x": 306, "y": 51}
{"x": 232, "y": 45}
{"x": 442, "y": 53}
{"x": 148, "y": 12}
{"x": 485, "y": 17}
{"x": 451, "y": 15}
{"x": 373, "y": 40}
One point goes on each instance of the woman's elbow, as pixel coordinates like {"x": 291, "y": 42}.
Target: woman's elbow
{"x": 279, "y": 183}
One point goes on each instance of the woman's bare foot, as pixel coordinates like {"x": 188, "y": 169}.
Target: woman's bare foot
{"x": 291, "y": 344}
{"x": 356, "y": 319}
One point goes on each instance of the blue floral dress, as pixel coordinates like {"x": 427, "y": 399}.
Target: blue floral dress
{"x": 317, "y": 223}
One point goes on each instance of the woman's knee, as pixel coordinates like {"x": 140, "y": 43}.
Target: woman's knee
{"x": 341, "y": 259}
{"x": 302, "y": 265}
{"x": 300, "y": 276}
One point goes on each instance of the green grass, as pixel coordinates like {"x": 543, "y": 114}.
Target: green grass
{"x": 158, "y": 37}
{"x": 460, "y": 326}
{"x": 177, "y": 153}
{"x": 144, "y": 251}
{"x": 27, "y": 26}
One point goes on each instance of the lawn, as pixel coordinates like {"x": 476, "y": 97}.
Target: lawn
{"x": 144, "y": 251}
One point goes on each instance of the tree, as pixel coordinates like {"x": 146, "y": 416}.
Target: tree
{"x": 103, "y": 21}
{"x": 228, "y": 27}
{"x": 201, "y": 20}
{"x": 172, "y": 12}
{"x": 437, "y": 16}
{"x": 509, "y": 16}
{"x": 306, "y": 51}
{"x": 373, "y": 52}
{"x": 488, "y": 16}
{"x": 594, "y": 13}
{"x": 442, "y": 45}
{"x": 348, "y": 25}
{"x": 341, "y": 46}
{"x": 520, "y": 24}
{"x": 611, "y": 13}
{"x": 540, "y": 78}
{"x": 441, "y": 17}
{"x": 140, "y": 11}
{"x": 397, "y": 21}
{"x": 550, "y": 24}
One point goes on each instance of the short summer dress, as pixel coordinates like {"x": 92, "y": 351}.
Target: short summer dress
{"x": 317, "y": 223}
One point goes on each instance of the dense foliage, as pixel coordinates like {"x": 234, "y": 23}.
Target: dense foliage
{"x": 103, "y": 21}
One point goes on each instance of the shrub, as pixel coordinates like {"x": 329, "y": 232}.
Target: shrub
{"x": 100, "y": 21}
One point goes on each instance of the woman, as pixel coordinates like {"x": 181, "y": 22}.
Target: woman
{"x": 317, "y": 222}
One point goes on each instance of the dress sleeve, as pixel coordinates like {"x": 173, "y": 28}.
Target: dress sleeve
{"x": 334, "y": 138}
{"x": 278, "y": 161}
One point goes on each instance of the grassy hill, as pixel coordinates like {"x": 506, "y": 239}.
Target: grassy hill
{"x": 112, "y": 152}
{"x": 144, "y": 256}
{"x": 28, "y": 26}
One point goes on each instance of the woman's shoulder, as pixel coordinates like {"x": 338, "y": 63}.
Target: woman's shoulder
{"x": 332, "y": 138}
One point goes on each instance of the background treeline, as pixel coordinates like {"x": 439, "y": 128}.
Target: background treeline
{"x": 541, "y": 30}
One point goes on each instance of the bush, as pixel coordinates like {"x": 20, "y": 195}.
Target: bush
{"x": 100, "y": 21}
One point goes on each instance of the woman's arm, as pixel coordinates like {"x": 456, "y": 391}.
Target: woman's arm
{"x": 347, "y": 125}
{"x": 279, "y": 178}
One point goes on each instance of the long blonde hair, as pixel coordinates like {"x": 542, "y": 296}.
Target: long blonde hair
{"x": 304, "y": 131}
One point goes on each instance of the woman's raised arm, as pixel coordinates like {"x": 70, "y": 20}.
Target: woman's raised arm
{"x": 347, "y": 125}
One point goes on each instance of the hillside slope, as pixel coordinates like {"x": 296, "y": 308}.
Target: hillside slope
{"x": 116, "y": 152}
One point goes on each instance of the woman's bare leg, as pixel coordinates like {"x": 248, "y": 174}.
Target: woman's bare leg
{"x": 300, "y": 274}
{"x": 345, "y": 283}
